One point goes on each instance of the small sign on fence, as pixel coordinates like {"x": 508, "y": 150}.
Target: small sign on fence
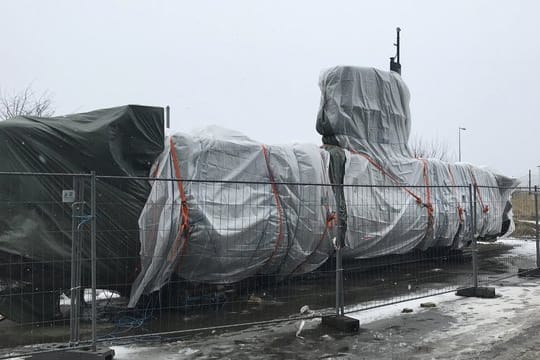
{"x": 68, "y": 196}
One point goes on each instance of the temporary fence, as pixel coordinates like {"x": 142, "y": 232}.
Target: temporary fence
{"x": 70, "y": 255}
{"x": 46, "y": 247}
{"x": 517, "y": 254}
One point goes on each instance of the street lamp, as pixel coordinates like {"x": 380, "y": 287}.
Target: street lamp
{"x": 459, "y": 139}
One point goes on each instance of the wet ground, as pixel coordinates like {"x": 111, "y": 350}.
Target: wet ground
{"x": 386, "y": 282}
{"x": 456, "y": 328}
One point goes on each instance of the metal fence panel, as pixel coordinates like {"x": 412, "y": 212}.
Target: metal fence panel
{"x": 234, "y": 262}
{"x": 230, "y": 219}
{"x": 41, "y": 288}
{"x": 516, "y": 254}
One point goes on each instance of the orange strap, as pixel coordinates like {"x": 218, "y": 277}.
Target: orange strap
{"x": 391, "y": 177}
{"x": 485, "y": 208}
{"x": 418, "y": 199}
{"x": 184, "y": 213}
{"x": 459, "y": 208}
{"x": 278, "y": 203}
{"x": 331, "y": 221}
{"x": 428, "y": 190}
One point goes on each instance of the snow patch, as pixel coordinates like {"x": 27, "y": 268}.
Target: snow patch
{"x": 100, "y": 295}
{"x": 388, "y": 311}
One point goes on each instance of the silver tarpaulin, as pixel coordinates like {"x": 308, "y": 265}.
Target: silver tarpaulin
{"x": 237, "y": 209}
{"x": 239, "y": 214}
{"x": 412, "y": 203}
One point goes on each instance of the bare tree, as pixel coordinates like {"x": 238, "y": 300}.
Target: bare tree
{"x": 25, "y": 103}
{"x": 429, "y": 149}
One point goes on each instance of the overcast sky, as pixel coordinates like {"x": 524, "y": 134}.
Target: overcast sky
{"x": 253, "y": 66}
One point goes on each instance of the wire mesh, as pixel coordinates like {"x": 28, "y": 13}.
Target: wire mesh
{"x": 235, "y": 262}
{"x": 233, "y": 253}
{"x": 235, "y": 217}
{"x": 514, "y": 254}
{"x": 425, "y": 248}
{"x": 36, "y": 229}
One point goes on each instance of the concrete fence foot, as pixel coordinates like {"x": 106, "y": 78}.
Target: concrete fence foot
{"x": 61, "y": 352}
{"x": 535, "y": 272}
{"x": 480, "y": 292}
{"x": 341, "y": 322}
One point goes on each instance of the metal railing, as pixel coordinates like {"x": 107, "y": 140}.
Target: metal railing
{"x": 70, "y": 258}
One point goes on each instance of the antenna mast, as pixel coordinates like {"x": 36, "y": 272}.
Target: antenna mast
{"x": 396, "y": 65}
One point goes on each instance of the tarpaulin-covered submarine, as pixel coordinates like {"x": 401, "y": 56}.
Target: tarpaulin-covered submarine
{"x": 223, "y": 207}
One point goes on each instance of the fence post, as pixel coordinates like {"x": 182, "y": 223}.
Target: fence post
{"x": 73, "y": 284}
{"x": 339, "y": 267}
{"x": 338, "y": 294}
{"x": 472, "y": 196}
{"x": 484, "y": 291}
{"x": 339, "y": 320}
{"x": 75, "y": 291}
{"x": 93, "y": 211}
{"x": 341, "y": 288}
{"x": 537, "y": 228}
